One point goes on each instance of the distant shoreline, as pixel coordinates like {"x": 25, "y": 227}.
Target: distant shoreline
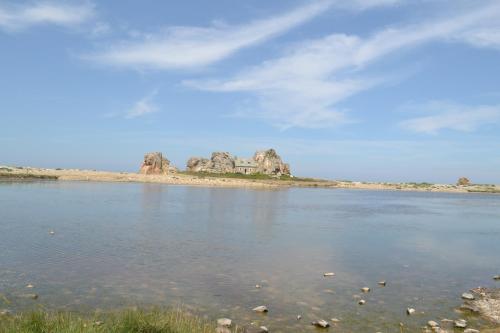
{"x": 204, "y": 180}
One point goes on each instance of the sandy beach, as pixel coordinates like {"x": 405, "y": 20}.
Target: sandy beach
{"x": 218, "y": 181}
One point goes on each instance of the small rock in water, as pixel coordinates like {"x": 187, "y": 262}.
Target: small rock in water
{"x": 410, "y": 311}
{"x": 299, "y": 317}
{"x": 224, "y": 322}
{"x": 432, "y": 323}
{"x": 52, "y": 232}
{"x": 382, "y": 283}
{"x": 257, "y": 286}
{"x": 329, "y": 274}
{"x": 361, "y": 302}
{"x": 261, "y": 309}
{"x": 32, "y": 296}
{"x": 468, "y": 296}
{"x": 365, "y": 289}
{"x": 335, "y": 320}
{"x": 321, "y": 323}
{"x": 29, "y": 285}
{"x": 263, "y": 329}
{"x": 496, "y": 277}
{"x": 461, "y": 323}
{"x": 470, "y": 330}
{"x": 5, "y": 312}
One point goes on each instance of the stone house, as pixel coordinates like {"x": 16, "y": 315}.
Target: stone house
{"x": 245, "y": 166}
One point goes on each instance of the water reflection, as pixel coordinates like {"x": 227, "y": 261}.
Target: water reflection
{"x": 128, "y": 244}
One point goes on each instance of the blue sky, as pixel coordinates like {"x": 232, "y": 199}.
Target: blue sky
{"x": 382, "y": 90}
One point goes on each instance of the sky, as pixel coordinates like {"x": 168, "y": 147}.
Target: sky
{"x": 368, "y": 90}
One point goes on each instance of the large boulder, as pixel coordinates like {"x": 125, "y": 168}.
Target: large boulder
{"x": 220, "y": 162}
{"x": 270, "y": 163}
{"x": 155, "y": 164}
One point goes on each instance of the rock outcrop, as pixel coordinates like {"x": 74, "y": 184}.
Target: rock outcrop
{"x": 220, "y": 162}
{"x": 156, "y": 164}
{"x": 267, "y": 162}
{"x": 485, "y": 302}
{"x": 270, "y": 163}
{"x": 463, "y": 181}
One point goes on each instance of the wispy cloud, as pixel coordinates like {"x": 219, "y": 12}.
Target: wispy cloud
{"x": 191, "y": 47}
{"x": 16, "y": 17}
{"x": 451, "y": 116}
{"x": 304, "y": 87}
{"x": 143, "y": 107}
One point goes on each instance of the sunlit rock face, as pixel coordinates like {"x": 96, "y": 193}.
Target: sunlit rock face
{"x": 265, "y": 162}
{"x": 270, "y": 163}
{"x": 156, "y": 164}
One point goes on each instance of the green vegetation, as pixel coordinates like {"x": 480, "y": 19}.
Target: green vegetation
{"x": 255, "y": 176}
{"x": 126, "y": 321}
{"x": 26, "y": 176}
{"x": 420, "y": 185}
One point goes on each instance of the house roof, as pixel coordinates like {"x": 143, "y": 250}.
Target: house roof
{"x": 245, "y": 163}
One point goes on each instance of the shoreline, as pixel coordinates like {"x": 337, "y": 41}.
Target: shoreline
{"x": 203, "y": 180}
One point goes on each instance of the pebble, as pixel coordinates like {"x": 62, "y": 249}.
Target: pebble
{"x": 461, "y": 323}
{"x": 224, "y": 322}
{"x": 382, "y": 283}
{"x": 468, "y": 296}
{"x": 470, "y": 330}
{"x": 261, "y": 308}
{"x": 361, "y": 302}
{"x": 335, "y": 320}
{"x": 299, "y": 317}
{"x": 52, "y": 232}
{"x": 329, "y": 274}
{"x": 410, "y": 311}
{"x": 257, "y": 286}
{"x": 365, "y": 289}
{"x": 29, "y": 285}
{"x": 263, "y": 329}
{"x": 432, "y": 323}
{"x": 496, "y": 277}
{"x": 320, "y": 323}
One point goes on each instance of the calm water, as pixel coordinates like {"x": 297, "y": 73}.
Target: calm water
{"x": 206, "y": 249}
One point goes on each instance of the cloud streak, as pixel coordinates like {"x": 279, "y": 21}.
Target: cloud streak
{"x": 305, "y": 86}
{"x": 450, "y": 116}
{"x": 143, "y": 107}
{"x": 193, "y": 47}
{"x": 20, "y": 17}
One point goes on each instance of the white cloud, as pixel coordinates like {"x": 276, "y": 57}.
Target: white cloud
{"x": 143, "y": 107}
{"x": 19, "y": 17}
{"x": 191, "y": 47}
{"x": 450, "y": 116}
{"x": 304, "y": 87}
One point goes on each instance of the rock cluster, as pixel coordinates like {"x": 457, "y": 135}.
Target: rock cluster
{"x": 268, "y": 162}
{"x": 485, "y": 302}
{"x": 156, "y": 164}
{"x": 462, "y": 181}
{"x": 220, "y": 162}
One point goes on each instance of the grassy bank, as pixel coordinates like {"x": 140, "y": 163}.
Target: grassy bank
{"x": 254, "y": 176}
{"x": 126, "y": 321}
{"x": 9, "y": 173}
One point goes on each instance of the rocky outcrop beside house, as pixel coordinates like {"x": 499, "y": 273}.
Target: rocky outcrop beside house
{"x": 270, "y": 163}
{"x": 266, "y": 162}
{"x": 156, "y": 164}
{"x": 220, "y": 162}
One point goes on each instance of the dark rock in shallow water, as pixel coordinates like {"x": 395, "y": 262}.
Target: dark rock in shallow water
{"x": 486, "y": 303}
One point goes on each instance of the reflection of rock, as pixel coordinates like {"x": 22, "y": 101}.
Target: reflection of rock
{"x": 156, "y": 164}
{"x": 486, "y": 303}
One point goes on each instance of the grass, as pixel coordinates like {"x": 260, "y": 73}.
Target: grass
{"x": 26, "y": 176}
{"x": 254, "y": 176}
{"x": 125, "y": 321}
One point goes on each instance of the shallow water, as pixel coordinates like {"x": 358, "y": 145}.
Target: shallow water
{"x": 117, "y": 245}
